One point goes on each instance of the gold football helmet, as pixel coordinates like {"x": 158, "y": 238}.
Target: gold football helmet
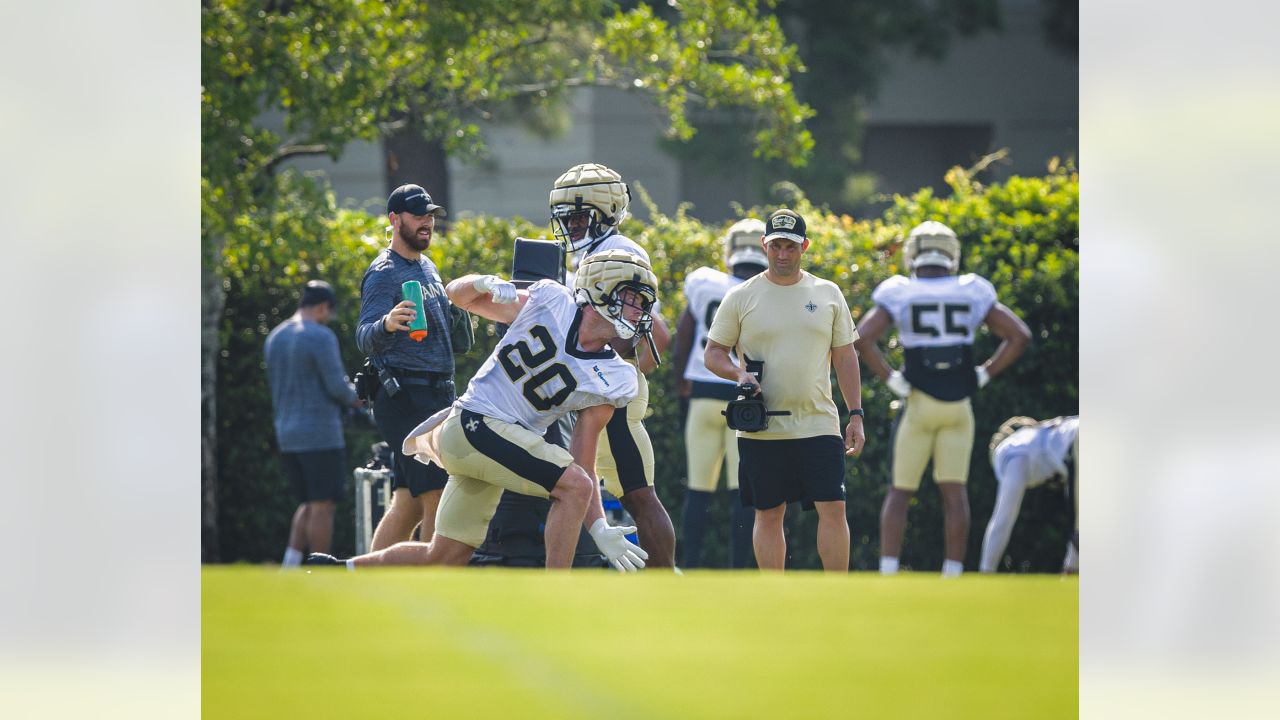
{"x": 587, "y": 202}
{"x": 742, "y": 243}
{"x": 1009, "y": 427}
{"x": 601, "y": 280}
{"x": 932, "y": 243}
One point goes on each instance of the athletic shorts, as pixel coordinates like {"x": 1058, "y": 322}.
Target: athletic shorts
{"x": 708, "y": 442}
{"x": 396, "y": 417}
{"x": 485, "y": 456}
{"x": 317, "y": 475}
{"x": 806, "y": 470}
{"x": 935, "y": 429}
{"x": 624, "y": 454}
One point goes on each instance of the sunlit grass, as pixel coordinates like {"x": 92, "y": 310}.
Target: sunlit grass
{"x": 474, "y": 643}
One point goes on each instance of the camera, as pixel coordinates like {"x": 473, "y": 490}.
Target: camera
{"x": 366, "y": 381}
{"x": 370, "y": 376}
{"x": 747, "y": 411}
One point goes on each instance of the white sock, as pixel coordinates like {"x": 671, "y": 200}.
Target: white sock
{"x": 292, "y": 558}
{"x": 888, "y": 565}
{"x": 351, "y": 564}
{"x": 952, "y": 568}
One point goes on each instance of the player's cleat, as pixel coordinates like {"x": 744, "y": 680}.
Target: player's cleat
{"x": 322, "y": 559}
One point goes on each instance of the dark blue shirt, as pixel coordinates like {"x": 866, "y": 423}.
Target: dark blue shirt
{"x": 380, "y": 291}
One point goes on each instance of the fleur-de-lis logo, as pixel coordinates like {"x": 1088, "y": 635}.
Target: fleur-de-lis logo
{"x": 811, "y": 307}
{"x": 472, "y": 424}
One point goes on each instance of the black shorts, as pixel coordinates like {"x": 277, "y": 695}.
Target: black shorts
{"x": 317, "y": 475}
{"x": 396, "y": 417}
{"x": 805, "y": 470}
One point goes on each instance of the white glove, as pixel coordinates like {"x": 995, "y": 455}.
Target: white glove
{"x": 898, "y": 384}
{"x": 502, "y": 291}
{"x": 624, "y": 555}
{"x": 984, "y": 377}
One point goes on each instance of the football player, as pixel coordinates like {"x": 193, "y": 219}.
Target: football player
{"x": 937, "y": 313}
{"x": 555, "y": 358}
{"x": 1027, "y": 454}
{"x": 708, "y": 440}
{"x": 588, "y": 202}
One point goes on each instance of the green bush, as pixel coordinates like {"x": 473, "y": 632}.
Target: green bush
{"x": 1020, "y": 234}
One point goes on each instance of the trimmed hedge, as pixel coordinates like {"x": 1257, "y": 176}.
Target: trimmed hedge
{"x": 1021, "y": 234}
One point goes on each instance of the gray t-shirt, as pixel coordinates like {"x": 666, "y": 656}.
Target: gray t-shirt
{"x": 308, "y": 386}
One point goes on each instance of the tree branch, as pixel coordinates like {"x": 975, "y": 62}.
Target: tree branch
{"x": 285, "y": 152}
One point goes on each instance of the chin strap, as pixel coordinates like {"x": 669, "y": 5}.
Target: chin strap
{"x": 653, "y": 348}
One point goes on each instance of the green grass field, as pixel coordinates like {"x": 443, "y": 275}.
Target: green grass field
{"x": 478, "y": 643}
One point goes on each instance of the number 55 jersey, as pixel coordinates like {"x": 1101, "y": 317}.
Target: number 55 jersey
{"x": 538, "y": 373}
{"x": 937, "y": 319}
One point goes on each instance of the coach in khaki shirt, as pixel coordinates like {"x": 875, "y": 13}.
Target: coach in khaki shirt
{"x": 799, "y": 326}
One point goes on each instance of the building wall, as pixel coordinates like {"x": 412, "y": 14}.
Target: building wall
{"x": 1010, "y": 89}
{"x": 610, "y": 127}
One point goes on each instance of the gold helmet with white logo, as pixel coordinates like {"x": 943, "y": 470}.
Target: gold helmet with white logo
{"x": 592, "y": 191}
{"x": 742, "y": 243}
{"x": 932, "y": 243}
{"x": 1007, "y": 428}
{"x": 600, "y": 281}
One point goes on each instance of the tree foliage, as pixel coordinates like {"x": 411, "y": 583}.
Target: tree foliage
{"x": 339, "y": 72}
{"x": 1021, "y": 234}
{"x": 846, "y": 46}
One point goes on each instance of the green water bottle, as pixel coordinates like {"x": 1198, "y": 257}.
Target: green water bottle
{"x": 412, "y": 291}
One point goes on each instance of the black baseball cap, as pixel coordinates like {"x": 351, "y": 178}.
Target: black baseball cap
{"x": 316, "y": 292}
{"x": 413, "y": 199}
{"x": 785, "y": 224}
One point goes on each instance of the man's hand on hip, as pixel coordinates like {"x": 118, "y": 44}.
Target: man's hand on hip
{"x": 898, "y": 384}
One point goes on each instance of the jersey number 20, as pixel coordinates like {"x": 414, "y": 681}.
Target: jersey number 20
{"x": 531, "y": 363}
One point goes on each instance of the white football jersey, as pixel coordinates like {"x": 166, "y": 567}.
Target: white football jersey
{"x": 935, "y": 312}
{"x": 704, "y": 289}
{"x": 538, "y": 373}
{"x": 613, "y": 242}
{"x": 1044, "y": 448}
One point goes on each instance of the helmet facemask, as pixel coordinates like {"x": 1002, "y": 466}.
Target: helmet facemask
{"x": 630, "y": 294}
{"x": 565, "y": 219}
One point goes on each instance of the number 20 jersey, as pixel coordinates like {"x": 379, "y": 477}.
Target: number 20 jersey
{"x": 538, "y": 373}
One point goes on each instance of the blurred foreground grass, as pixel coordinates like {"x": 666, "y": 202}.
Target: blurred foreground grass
{"x": 479, "y": 643}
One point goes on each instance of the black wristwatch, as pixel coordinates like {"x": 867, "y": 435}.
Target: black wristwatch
{"x": 858, "y": 412}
